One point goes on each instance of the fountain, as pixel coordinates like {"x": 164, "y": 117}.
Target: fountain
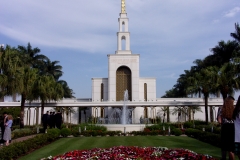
{"x": 121, "y": 116}
{"x": 120, "y": 119}
{"x": 124, "y": 110}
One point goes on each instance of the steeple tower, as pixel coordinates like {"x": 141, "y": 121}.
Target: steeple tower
{"x": 123, "y": 7}
{"x": 123, "y": 36}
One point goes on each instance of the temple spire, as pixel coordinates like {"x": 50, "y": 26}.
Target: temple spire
{"x": 123, "y": 8}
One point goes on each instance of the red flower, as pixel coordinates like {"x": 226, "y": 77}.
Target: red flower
{"x": 122, "y": 153}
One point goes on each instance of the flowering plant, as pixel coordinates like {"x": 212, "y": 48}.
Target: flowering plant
{"x": 131, "y": 153}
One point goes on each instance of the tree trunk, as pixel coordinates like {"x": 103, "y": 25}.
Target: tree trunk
{"x": 79, "y": 115}
{"x": 211, "y": 113}
{"x": 224, "y": 95}
{"x": 206, "y": 108}
{"x": 37, "y": 115}
{"x": 189, "y": 113}
{"x": 168, "y": 114}
{"x": 22, "y": 111}
{"x": 42, "y": 108}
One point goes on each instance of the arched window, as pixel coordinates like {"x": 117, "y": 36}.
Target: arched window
{"x": 145, "y": 91}
{"x": 123, "y": 43}
{"x": 101, "y": 92}
{"x": 123, "y": 82}
{"x": 123, "y": 26}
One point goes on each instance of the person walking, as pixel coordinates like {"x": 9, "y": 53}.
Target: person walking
{"x": 236, "y": 117}
{"x": 225, "y": 118}
{"x": 7, "y": 136}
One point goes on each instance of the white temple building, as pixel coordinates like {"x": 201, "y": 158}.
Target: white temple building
{"x": 107, "y": 98}
{"x": 123, "y": 74}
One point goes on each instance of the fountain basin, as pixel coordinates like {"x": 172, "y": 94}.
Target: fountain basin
{"x": 124, "y": 127}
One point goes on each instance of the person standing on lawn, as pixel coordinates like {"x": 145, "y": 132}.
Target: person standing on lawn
{"x": 225, "y": 118}
{"x": 3, "y": 121}
{"x": 236, "y": 117}
{"x": 45, "y": 121}
{"x": 7, "y": 136}
{"x": 58, "y": 119}
{"x": 52, "y": 120}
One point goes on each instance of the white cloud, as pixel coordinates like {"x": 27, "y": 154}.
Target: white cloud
{"x": 168, "y": 35}
{"x": 232, "y": 12}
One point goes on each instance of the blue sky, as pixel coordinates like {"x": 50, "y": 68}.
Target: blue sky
{"x": 168, "y": 34}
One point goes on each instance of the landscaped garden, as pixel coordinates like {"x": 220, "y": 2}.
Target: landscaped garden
{"x": 87, "y": 141}
{"x": 64, "y": 145}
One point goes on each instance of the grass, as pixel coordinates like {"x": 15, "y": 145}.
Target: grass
{"x": 68, "y": 144}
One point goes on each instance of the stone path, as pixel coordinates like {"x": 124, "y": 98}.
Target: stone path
{"x": 20, "y": 139}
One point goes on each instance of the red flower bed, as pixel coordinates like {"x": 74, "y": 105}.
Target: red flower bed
{"x": 132, "y": 153}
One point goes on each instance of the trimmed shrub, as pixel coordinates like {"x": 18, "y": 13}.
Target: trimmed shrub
{"x": 65, "y": 132}
{"x": 75, "y": 133}
{"x": 176, "y": 132}
{"x": 208, "y": 137}
{"x": 53, "y": 134}
{"x": 22, "y": 132}
{"x": 187, "y": 125}
{"x": 18, "y": 149}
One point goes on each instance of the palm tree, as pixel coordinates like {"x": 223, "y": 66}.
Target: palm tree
{"x": 68, "y": 93}
{"x": 223, "y": 52}
{"x": 226, "y": 80}
{"x": 26, "y": 84}
{"x": 164, "y": 109}
{"x": 181, "y": 112}
{"x": 236, "y": 35}
{"x": 51, "y": 68}
{"x": 202, "y": 80}
{"x": 193, "y": 110}
{"x": 46, "y": 89}
{"x": 31, "y": 56}
{"x": 10, "y": 65}
{"x": 31, "y": 60}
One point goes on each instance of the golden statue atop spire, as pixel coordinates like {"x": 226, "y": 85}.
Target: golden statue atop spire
{"x": 123, "y": 10}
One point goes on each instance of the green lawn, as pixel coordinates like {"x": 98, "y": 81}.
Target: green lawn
{"x": 68, "y": 144}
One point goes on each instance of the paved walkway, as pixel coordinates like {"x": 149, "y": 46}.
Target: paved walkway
{"x": 20, "y": 139}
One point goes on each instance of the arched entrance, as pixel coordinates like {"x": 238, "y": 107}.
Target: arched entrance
{"x": 123, "y": 82}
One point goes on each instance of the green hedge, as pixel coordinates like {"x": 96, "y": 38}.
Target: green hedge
{"x": 18, "y": 149}
{"x": 65, "y": 132}
{"x": 208, "y": 137}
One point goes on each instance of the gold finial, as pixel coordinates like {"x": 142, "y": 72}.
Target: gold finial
{"x": 123, "y": 10}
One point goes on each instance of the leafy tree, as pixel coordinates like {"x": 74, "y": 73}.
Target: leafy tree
{"x": 68, "y": 93}
{"x": 46, "y": 89}
{"x": 236, "y": 34}
{"x": 51, "y": 68}
{"x": 10, "y": 65}
{"x": 31, "y": 56}
{"x": 26, "y": 84}
{"x": 202, "y": 80}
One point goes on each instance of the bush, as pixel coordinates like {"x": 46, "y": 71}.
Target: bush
{"x": 199, "y": 122}
{"x": 22, "y": 132}
{"x": 75, "y": 133}
{"x": 53, "y": 133}
{"x": 113, "y": 133}
{"x": 176, "y": 132}
{"x": 208, "y": 137}
{"x": 187, "y": 125}
{"x": 65, "y": 132}
{"x": 86, "y": 127}
{"x": 18, "y": 149}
